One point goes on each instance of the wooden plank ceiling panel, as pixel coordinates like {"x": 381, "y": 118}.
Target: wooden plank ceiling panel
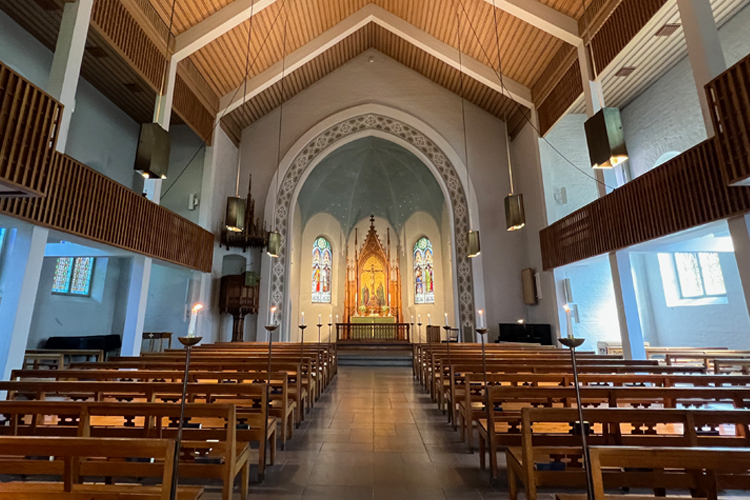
{"x": 389, "y": 44}
{"x": 524, "y": 49}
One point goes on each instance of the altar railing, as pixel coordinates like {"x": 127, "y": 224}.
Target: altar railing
{"x": 373, "y": 332}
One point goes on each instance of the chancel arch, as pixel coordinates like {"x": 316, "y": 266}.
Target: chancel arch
{"x": 303, "y": 159}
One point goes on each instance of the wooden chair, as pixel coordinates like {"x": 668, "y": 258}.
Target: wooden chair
{"x": 73, "y": 459}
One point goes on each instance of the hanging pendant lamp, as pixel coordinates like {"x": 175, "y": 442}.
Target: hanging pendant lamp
{"x": 605, "y": 139}
{"x": 515, "y": 216}
{"x": 475, "y": 247}
{"x": 274, "y": 244}
{"x": 234, "y": 218}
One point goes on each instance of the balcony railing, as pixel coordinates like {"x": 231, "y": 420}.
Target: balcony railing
{"x": 29, "y": 123}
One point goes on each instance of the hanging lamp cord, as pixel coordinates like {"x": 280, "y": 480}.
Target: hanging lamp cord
{"x": 281, "y": 115}
{"x": 167, "y": 60}
{"x": 463, "y": 114}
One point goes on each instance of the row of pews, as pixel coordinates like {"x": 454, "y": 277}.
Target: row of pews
{"x": 110, "y": 425}
{"x": 651, "y": 424}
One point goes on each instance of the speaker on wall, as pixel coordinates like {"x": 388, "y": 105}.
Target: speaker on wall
{"x": 529, "y": 287}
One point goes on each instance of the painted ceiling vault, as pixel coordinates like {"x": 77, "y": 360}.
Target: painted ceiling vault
{"x": 371, "y": 176}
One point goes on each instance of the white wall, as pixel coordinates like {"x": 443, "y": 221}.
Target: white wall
{"x": 186, "y": 160}
{"x": 101, "y": 135}
{"x": 67, "y": 316}
{"x": 667, "y": 116}
{"x": 167, "y": 300}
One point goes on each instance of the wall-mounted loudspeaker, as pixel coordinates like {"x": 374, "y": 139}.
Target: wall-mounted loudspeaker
{"x": 529, "y": 287}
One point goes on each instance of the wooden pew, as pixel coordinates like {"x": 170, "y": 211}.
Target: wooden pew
{"x": 707, "y": 360}
{"x": 704, "y": 471}
{"x": 471, "y": 408}
{"x": 213, "y": 450}
{"x": 296, "y": 376}
{"x": 73, "y": 461}
{"x": 550, "y": 452}
{"x": 250, "y": 399}
{"x": 282, "y": 405}
{"x": 501, "y": 428}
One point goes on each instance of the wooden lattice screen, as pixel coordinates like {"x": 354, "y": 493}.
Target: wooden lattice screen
{"x": 729, "y": 95}
{"x": 29, "y": 123}
{"x": 85, "y": 203}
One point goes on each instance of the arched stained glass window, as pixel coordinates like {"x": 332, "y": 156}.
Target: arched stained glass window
{"x": 322, "y": 262}
{"x": 424, "y": 272}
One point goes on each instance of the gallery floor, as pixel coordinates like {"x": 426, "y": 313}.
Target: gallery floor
{"x": 375, "y": 435}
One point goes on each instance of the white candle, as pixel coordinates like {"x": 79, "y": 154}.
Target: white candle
{"x": 389, "y": 299}
{"x": 303, "y": 319}
{"x": 568, "y": 320}
{"x": 412, "y": 320}
{"x": 446, "y": 319}
{"x": 337, "y": 319}
{"x": 419, "y": 319}
{"x": 193, "y": 319}
{"x": 319, "y": 320}
{"x": 330, "y": 319}
{"x": 273, "y": 315}
{"x": 481, "y": 318}
{"x": 429, "y": 321}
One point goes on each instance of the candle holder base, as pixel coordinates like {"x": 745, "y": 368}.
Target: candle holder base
{"x": 572, "y": 342}
{"x": 189, "y": 341}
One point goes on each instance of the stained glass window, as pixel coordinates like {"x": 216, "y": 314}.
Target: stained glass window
{"x": 424, "y": 272}
{"x": 321, "y": 271}
{"x": 699, "y": 274}
{"x": 73, "y": 276}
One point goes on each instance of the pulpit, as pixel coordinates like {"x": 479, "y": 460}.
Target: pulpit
{"x": 238, "y": 296}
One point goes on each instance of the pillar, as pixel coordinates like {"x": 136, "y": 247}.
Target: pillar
{"x": 135, "y": 313}
{"x": 24, "y": 267}
{"x": 66, "y": 64}
{"x": 704, "y": 49}
{"x": 631, "y": 333}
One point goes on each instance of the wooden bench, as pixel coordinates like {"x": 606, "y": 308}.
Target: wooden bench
{"x": 210, "y": 447}
{"x": 76, "y": 458}
{"x": 501, "y": 428}
{"x": 550, "y": 452}
{"x": 282, "y": 405}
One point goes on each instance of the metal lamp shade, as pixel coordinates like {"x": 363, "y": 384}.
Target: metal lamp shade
{"x": 474, "y": 246}
{"x": 605, "y": 139}
{"x": 274, "y": 244}
{"x": 515, "y": 218}
{"x": 234, "y": 220}
{"x": 152, "y": 156}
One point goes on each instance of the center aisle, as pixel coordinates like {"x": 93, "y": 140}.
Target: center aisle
{"x": 375, "y": 435}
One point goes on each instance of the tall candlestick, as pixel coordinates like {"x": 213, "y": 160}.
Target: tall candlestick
{"x": 429, "y": 321}
{"x": 569, "y": 321}
{"x": 193, "y": 319}
{"x": 319, "y": 320}
{"x": 419, "y": 318}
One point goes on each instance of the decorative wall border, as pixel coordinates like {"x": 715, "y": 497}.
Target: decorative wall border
{"x": 440, "y": 161}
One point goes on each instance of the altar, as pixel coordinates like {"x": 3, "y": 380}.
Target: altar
{"x": 373, "y": 292}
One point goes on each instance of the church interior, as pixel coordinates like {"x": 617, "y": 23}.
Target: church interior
{"x": 374, "y": 249}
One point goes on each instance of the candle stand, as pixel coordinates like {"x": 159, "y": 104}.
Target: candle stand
{"x": 270, "y": 329}
{"x": 188, "y": 342}
{"x": 572, "y": 343}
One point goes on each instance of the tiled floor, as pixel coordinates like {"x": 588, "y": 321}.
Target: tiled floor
{"x": 375, "y": 435}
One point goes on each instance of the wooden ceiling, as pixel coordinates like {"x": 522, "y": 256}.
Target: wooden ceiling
{"x": 374, "y": 36}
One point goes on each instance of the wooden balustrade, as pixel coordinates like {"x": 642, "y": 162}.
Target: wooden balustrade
{"x": 729, "y": 95}
{"x": 29, "y": 123}
{"x": 86, "y": 203}
{"x": 373, "y": 331}
{"x": 685, "y": 192}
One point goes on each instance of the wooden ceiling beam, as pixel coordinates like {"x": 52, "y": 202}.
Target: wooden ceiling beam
{"x": 543, "y": 17}
{"x": 217, "y": 24}
{"x": 373, "y": 13}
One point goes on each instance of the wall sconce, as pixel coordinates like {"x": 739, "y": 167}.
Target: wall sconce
{"x": 274, "y": 244}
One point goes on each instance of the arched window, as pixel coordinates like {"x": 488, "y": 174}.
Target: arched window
{"x": 424, "y": 272}
{"x": 322, "y": 260}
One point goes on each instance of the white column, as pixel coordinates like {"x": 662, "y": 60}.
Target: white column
{"x": 738, "y": 230}
{"x": 135, "y": 314}
{"x": 619, "y": 262}
{"x": 631, "y": 332}
{"x": 24, "y": 267}
{"x": 704, "y": 49}
{"x": 66, "y": 64}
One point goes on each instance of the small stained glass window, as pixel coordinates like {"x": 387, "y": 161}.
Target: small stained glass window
{"x": 699, "y": 274}
{"x": 321, "y": 271}
{"x": 73, "y": 276}
{"x": 424, "y": 272}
